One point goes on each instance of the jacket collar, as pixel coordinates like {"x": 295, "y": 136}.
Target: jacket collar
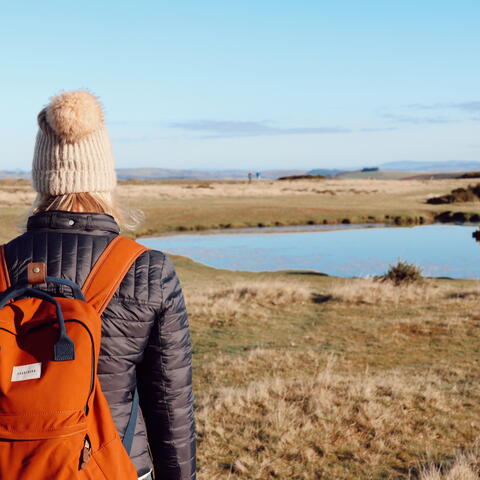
{"x": 74, "y": 222}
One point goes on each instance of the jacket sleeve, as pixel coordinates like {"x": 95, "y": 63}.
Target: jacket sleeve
{"x": 164, "y": 381}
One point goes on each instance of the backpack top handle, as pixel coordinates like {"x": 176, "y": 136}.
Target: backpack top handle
{"x": 64, "y": 348}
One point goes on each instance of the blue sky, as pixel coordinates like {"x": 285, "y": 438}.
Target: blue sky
{"x": 251, "y": 84}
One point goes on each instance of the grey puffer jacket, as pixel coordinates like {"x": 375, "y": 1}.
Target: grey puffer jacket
{"x": 145, "y": 335}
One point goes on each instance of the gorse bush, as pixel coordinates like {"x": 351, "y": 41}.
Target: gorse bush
{"x": 402, "y": 273}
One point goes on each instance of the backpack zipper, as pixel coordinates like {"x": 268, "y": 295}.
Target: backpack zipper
{"x": 86, "y": 453}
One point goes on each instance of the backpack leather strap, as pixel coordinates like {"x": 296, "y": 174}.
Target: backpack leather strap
{"x": 4, "y": 276}
{"x": 109, "y": 270}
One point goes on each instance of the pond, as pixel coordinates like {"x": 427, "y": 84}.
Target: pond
{"x": 354, "y": 251}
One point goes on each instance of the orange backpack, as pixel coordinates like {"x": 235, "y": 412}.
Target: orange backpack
{"x": 55, "y": 422}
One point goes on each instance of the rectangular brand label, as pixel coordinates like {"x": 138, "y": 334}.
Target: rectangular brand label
{"x": 26, "y": 372}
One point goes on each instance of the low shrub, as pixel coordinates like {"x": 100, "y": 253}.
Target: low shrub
{"x": 402, "y": 273}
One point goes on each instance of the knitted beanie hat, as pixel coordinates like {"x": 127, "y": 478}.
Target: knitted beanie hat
{"x": 73, "y": 153}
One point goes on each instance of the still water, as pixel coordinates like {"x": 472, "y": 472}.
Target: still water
{"x": 440, "y": 250}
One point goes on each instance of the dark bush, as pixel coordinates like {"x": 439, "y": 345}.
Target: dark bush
{"x": 470, "y": 175}
{"x": 458, "y": 195}
{"x": 457, "y": 217}
{"x": 441, "y": 200}
{"x": 460, "y": 217}
{"x": 303, "y": 177}
{"x": 402, "y": 273}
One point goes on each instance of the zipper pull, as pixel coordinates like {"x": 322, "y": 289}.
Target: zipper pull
{"x": 86, "y": 454}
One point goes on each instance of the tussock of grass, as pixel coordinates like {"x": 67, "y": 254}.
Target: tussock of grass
{"x": 247, "y": 300}
{"x": 372, "y": 292}
{"x": 277, "y": 293}
{"x": 313, "y": 426}
{"x": 430, "y": 326}
{"x": 450, "y": 304}
{"x": 260, "y": 364}
{"x": 465, "y": 467}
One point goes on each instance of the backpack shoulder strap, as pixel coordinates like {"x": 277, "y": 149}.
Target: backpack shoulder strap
{"x": 4, "y": 276}
{"x": 109, "y": 270}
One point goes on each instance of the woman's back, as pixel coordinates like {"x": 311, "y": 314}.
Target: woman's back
{"x": 145, "y": 335}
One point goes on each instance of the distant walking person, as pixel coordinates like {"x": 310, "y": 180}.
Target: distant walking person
{"x": 250, "y": 176}
{"x": 258, "y": 175}
{"x": 145, "y": 342}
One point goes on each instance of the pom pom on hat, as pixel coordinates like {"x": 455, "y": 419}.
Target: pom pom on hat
{"x": 72, "y": 152}
{"x": 74, "y": 115}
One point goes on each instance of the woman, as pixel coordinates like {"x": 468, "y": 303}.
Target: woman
{"x": 145, "y": 334}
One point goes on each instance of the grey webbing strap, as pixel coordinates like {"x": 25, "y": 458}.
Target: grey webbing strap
{"x": 132, "y": 422}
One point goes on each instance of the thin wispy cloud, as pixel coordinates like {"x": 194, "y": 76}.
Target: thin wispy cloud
{"x": 472, "y": 106}
{"x": 436, "y": 113}
{"x": 225, "y": 129}
{"x": 414, "y": 119}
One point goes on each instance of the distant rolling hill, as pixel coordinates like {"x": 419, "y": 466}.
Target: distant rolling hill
{"x": 379, "y": 174}
{"x": 445, "y": 175}
{"x": 324, "y": 171}
{"x": 14, "y": 174}
{"x": 178, "y": 174}
{"x": 389, "y": 170}
{"x": 438, "y": 167}
{"x": 194, "y": 174}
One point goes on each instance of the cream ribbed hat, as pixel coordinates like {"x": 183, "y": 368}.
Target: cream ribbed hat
{"x": 73, "y": 153}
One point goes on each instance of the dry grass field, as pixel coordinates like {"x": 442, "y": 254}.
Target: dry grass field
{"x": 172, "y": 206}
{"x": 301, "y": 376}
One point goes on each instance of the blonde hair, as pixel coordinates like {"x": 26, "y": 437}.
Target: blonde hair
{"x": 91, "y": 202}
